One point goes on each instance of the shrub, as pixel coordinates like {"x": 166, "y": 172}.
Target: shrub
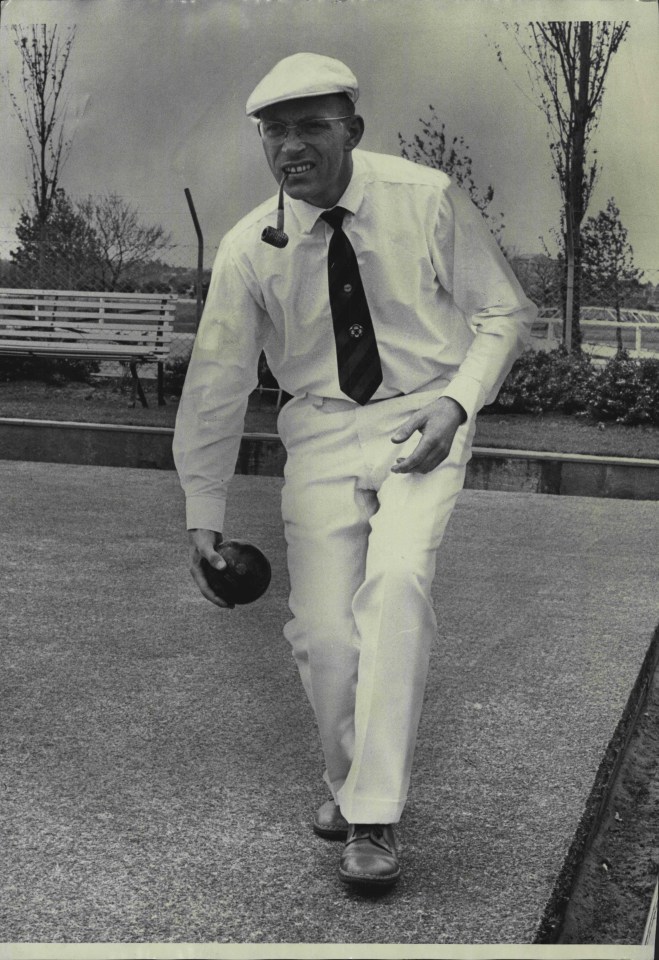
{"x": 48, "y": 370}
{"x": 624, "y": 389}
{"x": 555, "y": 380}
{"x": 175, "y": 371}
{"x": 627, "y": 391}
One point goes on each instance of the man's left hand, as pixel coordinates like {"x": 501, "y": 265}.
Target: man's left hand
{"x": 438, "y": 423}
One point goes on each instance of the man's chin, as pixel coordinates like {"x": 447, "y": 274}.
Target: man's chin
{"x": 308, "y": 192}
{"x": 296, "y": 188}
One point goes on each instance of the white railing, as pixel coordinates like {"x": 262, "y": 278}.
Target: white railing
{"x": 598, "y": 325}
{"x": 627, "y": 314}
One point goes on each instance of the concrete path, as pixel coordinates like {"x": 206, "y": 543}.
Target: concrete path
{"x": 161, "y": 764}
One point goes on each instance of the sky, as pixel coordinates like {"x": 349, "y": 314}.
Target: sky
{"x": 156, "y": 92}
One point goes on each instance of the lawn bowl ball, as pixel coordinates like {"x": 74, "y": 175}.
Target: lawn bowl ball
{"x": 246, "y": 576}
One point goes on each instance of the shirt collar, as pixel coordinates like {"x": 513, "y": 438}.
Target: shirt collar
{"x": 307, "y": 215}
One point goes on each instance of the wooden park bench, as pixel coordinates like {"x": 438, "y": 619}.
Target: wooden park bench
{"x": 128, "y": 327}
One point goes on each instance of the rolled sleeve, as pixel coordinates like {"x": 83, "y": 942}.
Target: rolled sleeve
{"x": 221, "y": 375}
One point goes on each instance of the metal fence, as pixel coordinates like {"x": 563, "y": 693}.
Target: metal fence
{"x": 56, "y": 267}
{"x": 185, "y": 327}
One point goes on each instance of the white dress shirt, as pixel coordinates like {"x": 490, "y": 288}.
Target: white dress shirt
{"x": 446, "y": 308}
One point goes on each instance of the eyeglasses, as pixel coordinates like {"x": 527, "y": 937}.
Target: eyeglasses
{"x": 274, "y": 131}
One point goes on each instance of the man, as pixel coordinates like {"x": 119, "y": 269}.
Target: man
{"x": 391, "y": 317}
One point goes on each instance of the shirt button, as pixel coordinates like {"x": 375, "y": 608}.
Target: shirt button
{"x": 347, "y": 288}
{"x": 356, "y": 330}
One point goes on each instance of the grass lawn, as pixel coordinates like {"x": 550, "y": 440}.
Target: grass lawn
{"x": 108, "y": 401}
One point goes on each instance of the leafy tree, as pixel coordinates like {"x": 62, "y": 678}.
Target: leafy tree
{"x": 66, "y": 259}
{"x": 433, "y": 148}
{"x": 608, "y": 261}
{"x": 567, "y": 66}
{"x": 125, "y": 244}
{"x": 41, "y": 107}
{"x": 642, "y": 296}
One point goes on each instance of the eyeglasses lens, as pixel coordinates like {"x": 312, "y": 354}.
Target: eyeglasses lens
{"x": 274, "y": 131}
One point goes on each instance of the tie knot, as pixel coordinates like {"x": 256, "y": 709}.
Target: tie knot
{"x": 334, "y": 217}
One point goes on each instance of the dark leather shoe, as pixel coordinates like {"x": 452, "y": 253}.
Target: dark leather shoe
{"x": 370, "y": 857}
{"x": 329, "y": 822}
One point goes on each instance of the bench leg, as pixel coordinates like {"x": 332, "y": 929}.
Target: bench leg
{"x": 161, "y": 384}
{"x": 137, "y": 386}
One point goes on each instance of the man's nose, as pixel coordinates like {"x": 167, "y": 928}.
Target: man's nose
{"x": 292, "y": 140}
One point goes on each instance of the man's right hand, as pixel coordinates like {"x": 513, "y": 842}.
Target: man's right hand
{"x": 203, "y": 545}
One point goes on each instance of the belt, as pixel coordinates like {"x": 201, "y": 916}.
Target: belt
{"x": 338, "y": 403}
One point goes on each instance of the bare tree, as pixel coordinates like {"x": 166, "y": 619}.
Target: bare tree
{"x": 433, "y": 148}
{"x": 539, "y": 276}
{"x": 567, "y": 66}
{"x": 125, "y": 243}
{"x": 41, "y": 107}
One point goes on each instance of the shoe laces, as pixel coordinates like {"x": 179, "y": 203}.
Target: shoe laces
{"x": 365, "y": 830}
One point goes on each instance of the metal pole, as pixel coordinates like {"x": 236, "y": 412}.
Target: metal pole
{"x": 200, "y": 255}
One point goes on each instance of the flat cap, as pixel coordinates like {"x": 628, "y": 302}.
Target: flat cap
{"x": 302, "y": 75}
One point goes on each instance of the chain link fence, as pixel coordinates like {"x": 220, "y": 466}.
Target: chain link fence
{"x": 630, "y": 318}
{"x": 50, "y": 266}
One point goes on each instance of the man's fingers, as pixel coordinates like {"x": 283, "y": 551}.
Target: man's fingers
{"x": 210, "y": 554}
{"x": 216, "y": 560}
{"x": 424, "y": 458}
{"x": 430, "y": 451}
{"x": 203, "y": 545}
{"x": 437, "y": 423}
{"x": 205, "y": 590}
{"x": 405, "y": 431}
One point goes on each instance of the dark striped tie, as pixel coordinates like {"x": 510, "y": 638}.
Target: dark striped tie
{"x": 360, "y": 372}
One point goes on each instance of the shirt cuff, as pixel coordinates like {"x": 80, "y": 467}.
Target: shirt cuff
{"x": 467, "y": 392}
{"x": 205, "y": 513}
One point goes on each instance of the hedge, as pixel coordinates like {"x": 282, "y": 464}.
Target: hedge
{"x": 626, "y": 390}
{"x": 623, "y": 389}
{"x": 47, "y": 369}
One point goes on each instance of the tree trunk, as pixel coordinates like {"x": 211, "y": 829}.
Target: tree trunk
{"x": 568, "y": 324}
{"x": 576, "y": 180}
{"x": 41, "y": 267}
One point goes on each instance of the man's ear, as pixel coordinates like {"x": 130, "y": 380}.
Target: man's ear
{"x": 355, "y": 129}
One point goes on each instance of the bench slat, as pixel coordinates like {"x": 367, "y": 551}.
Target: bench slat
{"x": 91, "y": 295}
{"x": 91, "y": 350}
{"x": 27, "y": 328}
{"x": 64, "y": 323}
{"x": 102, "y": 331}
{"x": 149, "y": 303}
{"x": 89, "y": 314}
{"x": 143, "y": 343}
{"x": 98, "y": 326}
{"x": 8, "y": 312}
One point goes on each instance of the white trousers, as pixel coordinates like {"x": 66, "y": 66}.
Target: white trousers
{"x": 362, "y": 544}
